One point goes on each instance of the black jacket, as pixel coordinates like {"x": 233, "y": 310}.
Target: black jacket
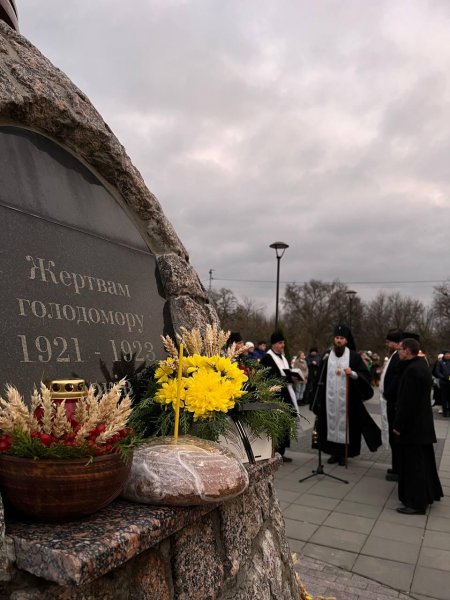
{"x": 414, "y": 416}
{"x": 268, "y": 362}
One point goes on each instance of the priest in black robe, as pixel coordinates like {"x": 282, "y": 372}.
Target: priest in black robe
{"x": 342, "y": 416}
{"x": 277, "y": 363}
{"x": 418, "y": 479}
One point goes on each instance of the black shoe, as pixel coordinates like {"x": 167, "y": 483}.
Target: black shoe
{"x": 333, "y": 460}
{"x": 391, "y": 476}
{"x": 287, "y": 459}
{"x": 342, "y": 462}
{"x": 407, "y": 510}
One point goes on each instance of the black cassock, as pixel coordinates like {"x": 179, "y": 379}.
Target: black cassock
{"x": 268, "y": 362}
{"x": 418, "y": 480}
{"x": 360, "y": 421}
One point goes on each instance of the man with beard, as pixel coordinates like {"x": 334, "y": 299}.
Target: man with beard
{"x": 418, "y": 480}
{"x": 343, "y": 386}
{"x": 388, "y": 397}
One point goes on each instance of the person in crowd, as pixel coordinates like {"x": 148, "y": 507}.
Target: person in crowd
{"x": 260, "y": 349}
{"x": 299, "y": 362}
{"x": 388, "y": 397}
{"x": 416, "y": 336}
{"x": 343, "y": 386}
{"x": 236, "y": 338}
{"x": 375, "y": 369}
{"x": 443, "y": 375}
{"x": 366, "y": 358}
{"x": 276, "y": 361}
{"x": 250, "y": 350}
{"x": 437, "y": 400}
{"x": 313, "y": 360}
{"x": 418, "y": 479}
{"x": 369, "y": 362}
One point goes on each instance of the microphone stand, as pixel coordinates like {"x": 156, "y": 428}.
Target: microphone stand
{"x": 319, "y": 470}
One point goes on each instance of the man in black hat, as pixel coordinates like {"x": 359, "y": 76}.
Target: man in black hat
{"x": 343, "y": 386}
{"x": 275, "y": 360}
{"x": 388, "y": 392}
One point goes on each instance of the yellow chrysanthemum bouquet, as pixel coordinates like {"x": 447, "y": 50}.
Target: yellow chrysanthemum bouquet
{"x": 214, "y": 383}
{"x": 208, "y": 384}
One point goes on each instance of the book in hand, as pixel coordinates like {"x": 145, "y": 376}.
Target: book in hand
{"x": 294, "y": 375}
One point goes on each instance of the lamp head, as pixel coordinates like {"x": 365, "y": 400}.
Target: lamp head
{"x": 279, "y": 248}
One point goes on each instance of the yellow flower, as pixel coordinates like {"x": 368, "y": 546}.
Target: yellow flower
{"x": 167, "y": 393}
{"x": 165, "y": 370}
{"x": 207, "y": 392}
{"x": 192, "y": 363}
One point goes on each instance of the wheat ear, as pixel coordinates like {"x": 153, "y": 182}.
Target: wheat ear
{"x": 170, "y": 347}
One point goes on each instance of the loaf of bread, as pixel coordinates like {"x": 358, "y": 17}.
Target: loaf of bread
{"x": 187, "y": 473}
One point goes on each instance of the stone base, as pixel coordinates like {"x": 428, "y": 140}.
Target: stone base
{"x": 232, "y": 551}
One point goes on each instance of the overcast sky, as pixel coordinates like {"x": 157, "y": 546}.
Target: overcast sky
{"x": 323, "y": 124}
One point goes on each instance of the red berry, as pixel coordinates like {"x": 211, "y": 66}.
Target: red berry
{"x": 46, "y": 439}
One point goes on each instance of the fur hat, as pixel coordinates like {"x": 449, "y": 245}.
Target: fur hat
{"x": 394, "y": 335}
{"x": 344, "y": 331}
{"x": 276, "y": 337}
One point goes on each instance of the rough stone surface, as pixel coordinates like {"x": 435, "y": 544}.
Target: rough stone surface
{"x": 6, "y": 551}
{"x": 189, "y": 312}
{"x": 197, "y": 563}
{"x": 178, "y": 278}
{"x": 241, "y": 521}
{"x": 151, "y": 576}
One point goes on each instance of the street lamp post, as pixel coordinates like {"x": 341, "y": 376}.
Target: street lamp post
{"x": 279, "y": 248}
{"x": 351, "y": 294}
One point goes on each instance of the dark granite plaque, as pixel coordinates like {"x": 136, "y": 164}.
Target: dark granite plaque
{"x": 79, "y": 285}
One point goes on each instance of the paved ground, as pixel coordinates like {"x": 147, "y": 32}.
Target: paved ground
{"x": 350, "y": 541}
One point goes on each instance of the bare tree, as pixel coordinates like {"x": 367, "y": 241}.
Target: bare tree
{"x": 441, "y": 314}
{"x": 312, "y": 309}
{"x": 246, "y": 317}
{"x": 388, "y": 311}
{"x": 225, "y": 303}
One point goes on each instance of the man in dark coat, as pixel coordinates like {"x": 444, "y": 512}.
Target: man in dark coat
{"x": 343, "y": 418}
{"x": 276, "y": 361}
{"x": 418, "y": 480}
{"x": 388, "y": 390}
{"x": 443, "y": 374}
